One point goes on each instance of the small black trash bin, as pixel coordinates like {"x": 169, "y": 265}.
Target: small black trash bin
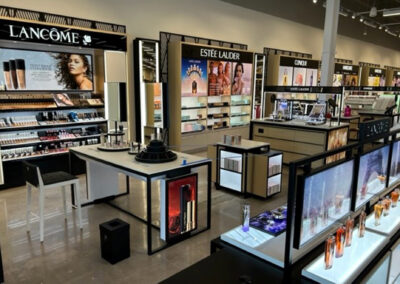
{"x": 114, "y": 238}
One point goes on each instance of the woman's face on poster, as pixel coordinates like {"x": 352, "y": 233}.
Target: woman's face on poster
{"x": 76, "y": 65}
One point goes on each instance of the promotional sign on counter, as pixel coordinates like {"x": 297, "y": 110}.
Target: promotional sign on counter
{"x": 45, "y": 71}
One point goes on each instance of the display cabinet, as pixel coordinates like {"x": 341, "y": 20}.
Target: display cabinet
{"x": 210, "y": 94}
{"x": 236, "y": 168}
{"x": 290, "y": 71}
{"x": 346, "y": 75}
{"x": 258, "y": 89}
{"x": 393, "y": 77}
{"x": 373, "y": 77}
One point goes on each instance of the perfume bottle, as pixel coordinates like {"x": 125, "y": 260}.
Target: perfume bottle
{"x": 378, "y": 208}
{"x": 246, "y": 217}
{"x": 340, "y": 236}
{"x": 285, "y": 78}
{"x": 329, "y": 251}
{"x": 395, "y": 197}
{"x": 194, "y": 87}
{"x": 386, "y": 205}
{"x": 349, "y": 231}
{"x": 361, "y": 227}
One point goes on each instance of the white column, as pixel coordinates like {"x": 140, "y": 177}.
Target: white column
{"x": 329, "y": 45}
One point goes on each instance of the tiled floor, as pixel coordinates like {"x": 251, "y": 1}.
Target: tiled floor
{"x": 69, "y": 255}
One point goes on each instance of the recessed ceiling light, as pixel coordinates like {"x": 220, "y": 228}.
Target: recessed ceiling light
{"x": 315, "y": 1}
{"x": 361, "y": 19}
{"x": 353, "y": 16}
{"x": 380, "y": 27}
{"x": 386, "y": 29}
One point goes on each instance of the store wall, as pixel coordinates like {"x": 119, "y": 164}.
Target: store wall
{"x": 210, "y": 19}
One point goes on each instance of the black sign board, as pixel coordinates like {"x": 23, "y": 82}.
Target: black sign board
{"x": 346, "y": 69}
{"x": 209, "y": 52}
{"x": 298, "y": 62}
{"x": 46, "y": 34}
{"x": 374, "y": 128}
{"x": 377, "y": 72}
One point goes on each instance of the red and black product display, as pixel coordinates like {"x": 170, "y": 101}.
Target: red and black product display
{"x": 181, "y": 209}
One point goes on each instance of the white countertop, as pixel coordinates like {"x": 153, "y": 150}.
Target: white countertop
{"x": 346, "y": 268}
{"x": 246, "y": 144}
{"x": 125, "y": 161}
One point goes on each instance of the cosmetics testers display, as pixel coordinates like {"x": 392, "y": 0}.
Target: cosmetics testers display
{"x": 52, "y": 92}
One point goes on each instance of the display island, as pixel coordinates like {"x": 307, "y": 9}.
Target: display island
{"x": 297, "y": 139}
{"x": 237, "y": 167}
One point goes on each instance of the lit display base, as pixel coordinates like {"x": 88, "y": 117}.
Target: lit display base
{"x": 260, "y": 244}
{"x": 346, "y": 268}
{"x": 388, "y": 224}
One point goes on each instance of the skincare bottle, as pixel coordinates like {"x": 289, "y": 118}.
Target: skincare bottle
{"x": 7, "y": 74}
{"x": 378, "y": 208}
{"x": 340, "y": 237}
{"x": 386, "y": 202}
{"x": 329, "y": 251}
{"x": 13, "y": 73}
{"x": 361, "y": 227}
{"x": 246, "y": 217}
{"x": 395, "y": 197}
{"x": 349, "y": 231}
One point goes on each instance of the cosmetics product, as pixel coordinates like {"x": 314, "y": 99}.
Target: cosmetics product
{"x": 285, "y": 78}
{"x": 349, "y": 231}
{"x": 13, "y": 73}
{"x": 7, "y": 75}
{"x": 340, "y": 237}
{"x": 194, "y": 87}
{"x": 329, "y": 251}
{"x": 386, "y": 202}
{"x": 246, "y": 217}
{"x": 185, "y": 207}
{"x": 361, "y": 226}
{"x": 378, "y": 208}
{"x": 20, "y": 67}
{"x": 395, "y": 197}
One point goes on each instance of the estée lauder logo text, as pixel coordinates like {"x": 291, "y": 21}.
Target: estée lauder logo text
{"x": 220, "y": 54}
{"x": 46, "y": 34}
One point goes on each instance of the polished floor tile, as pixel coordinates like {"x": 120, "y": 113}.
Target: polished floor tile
{"x": 69, "y": 255}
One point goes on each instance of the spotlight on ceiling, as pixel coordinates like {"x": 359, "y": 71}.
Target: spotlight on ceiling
{"x": 373, "y": 12}
{"x": 315, "y": 1}
{"x": 361, "y": 19}
{"x": 365, "y": 32}
{"x": 353, "y": 16}
{"x": 386, "y": 29}
{"x": 391, "y": 12}
{"x": 380, "y": 27}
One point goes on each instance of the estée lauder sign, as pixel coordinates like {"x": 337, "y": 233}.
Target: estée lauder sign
{"x": 203, "y": 52}
{"x": 47, "y": 34}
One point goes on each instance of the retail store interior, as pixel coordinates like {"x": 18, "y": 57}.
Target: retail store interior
{"x": 214, "y": 141}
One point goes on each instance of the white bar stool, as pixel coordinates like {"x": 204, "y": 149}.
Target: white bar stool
{"x": 47, "y": 181}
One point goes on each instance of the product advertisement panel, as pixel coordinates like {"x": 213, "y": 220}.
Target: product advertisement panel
{"x": 178, "y": 206}
{"x": 45, "y": 71}
{"x": 337, "y": 138}
{"x": 285, "y": 76}
{"x": 396, "y": 79}
{"x": 326, "y": 199}
{"x": 372, "y": 174}
{"x": 194, "y": 77}
{"x": 225, "y": 72}
{"x": 395, "y": 164}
